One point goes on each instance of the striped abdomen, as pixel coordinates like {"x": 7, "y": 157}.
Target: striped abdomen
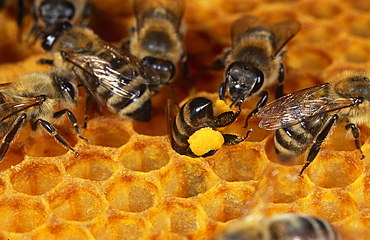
{"x": 138, "y": 108}
{"x": 291, "y": 226}
{"x": 294, "y": 140}
{"x": 193, "y": 115}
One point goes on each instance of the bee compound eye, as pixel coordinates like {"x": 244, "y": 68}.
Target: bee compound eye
{"x": 68, "y": 87}
{"x": 258, "y": 79}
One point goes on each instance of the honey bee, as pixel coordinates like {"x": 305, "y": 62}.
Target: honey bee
{"x": 47, "y": 12}
{"x": 306, "y": 117}
{"x": 255, "y": 60}
{"x": 192, "y": 116}
{"x": 33, "y": 98}
{"x": 281, "y": 227}
{"x": 157, "y": 38}
{"x": 112, "y": 76}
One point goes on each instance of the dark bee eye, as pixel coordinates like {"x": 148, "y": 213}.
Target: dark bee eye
{"x": 68, "y": 87}
{"x": 52, "y": 34}
{"x": 51, "y": 11}
{"x": 163, "y": 67}
{"x": 258, "y": 79}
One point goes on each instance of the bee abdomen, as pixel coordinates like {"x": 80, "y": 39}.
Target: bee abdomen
{"x": 195, "y": 114}
{"x": 302, "y": 227}
{"x": 138, "y": 108}
{"x": 291, "y": 142}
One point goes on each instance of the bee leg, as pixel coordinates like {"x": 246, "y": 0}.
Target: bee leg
{"x": 315, "y": 148}
{"x": 356, "y": 136}
{"x": 87, "y": 111}
{"x": 231, "y": 139}
{"x": 86, "y": 85}
{"x": 72, "y": 120}
{"x": 227, "y": 118}
{"x": 280, "y": 86}
{"x": 261, "y": 103}
{"x": 9, "y": 136}
{"x": 52, "y": 131}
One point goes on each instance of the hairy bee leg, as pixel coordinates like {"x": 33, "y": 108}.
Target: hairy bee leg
{"x": 52, "y": 131}
{"x": 231, "y": 139}
{"x": 262, "y": 102}
{"x": 8, "y": 138}
{"x": 72, "y": 120}
{"x": 227, "y": 118}
{"x": 315, "y": 148}
{"x": 280, "y": 85}
{"x": 356, "y": 136}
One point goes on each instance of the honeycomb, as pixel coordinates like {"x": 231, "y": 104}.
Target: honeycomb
{"x": 128, "y": 183}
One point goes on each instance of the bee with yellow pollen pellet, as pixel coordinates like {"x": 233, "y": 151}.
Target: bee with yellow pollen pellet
{"x": 195, "y": 129}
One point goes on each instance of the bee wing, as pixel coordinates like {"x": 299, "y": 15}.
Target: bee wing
{"x": 299, "y": 106}
{"x": 243, "y": 24}
{"x": 10, "y": 108}
{"x": 171, "y": 111}
{"x": 284, "y": 31}
{"x": 172, "y": 10}
{"x": 114, "y": 75}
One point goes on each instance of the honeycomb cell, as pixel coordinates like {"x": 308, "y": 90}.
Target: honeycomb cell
{"x": 61, "y": 229}
{"x": 76, "y": 201}
{"x": 322, "y": 10}
{"x": 227, "y": 201}
{"x": 21, "y": 214}
{"x": 238, "y": 163}
{"x": 144, "y": 153}
{"x": 132, "y": 192}
{"x": 177, "y": 215}
{"x": 187, "y": 178}
{"x": 14, "y": 156}
{"x": 36, "y": 177}
{"x": 313, "y": 58}
{"x": 334, "y": 205}
{"x": 329, "y": 164}
{"x": 281, "y": 184}
{"x": 97, "y": 166}
{"x": 125, "y": 226}
{"x": 47, "y": 146}
{"x": 108, "y": 131}
{"x": 357, "y": 24}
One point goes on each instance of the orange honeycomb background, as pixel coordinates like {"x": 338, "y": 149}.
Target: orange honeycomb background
{"x": 128, "y": 183}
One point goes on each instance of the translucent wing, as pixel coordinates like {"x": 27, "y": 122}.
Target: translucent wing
{"x": 114, "y": 69}
{"x": 299, "y": 106}
{"x": 243, "y": 24}
{"x": 283, "y": 32}
{"x": 11, "y": 108}
{"x": 171, "y": 111}
{"x": 146, "y": 10}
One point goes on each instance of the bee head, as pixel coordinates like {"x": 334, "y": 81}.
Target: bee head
{"x": 52, "y": 33}
{"x": 243, "y": 80}
{"x": 165, "y": 69}
{"x": 354, "y": 86}
{"x": 52, "y": 11}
